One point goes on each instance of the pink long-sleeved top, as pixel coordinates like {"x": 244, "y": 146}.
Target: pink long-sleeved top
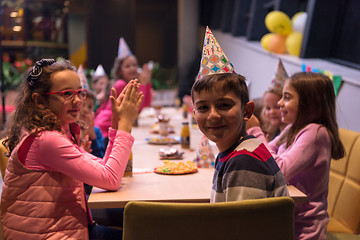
{"x": 57, "y": 152}
{"x": 306, "y": 165}
{"x": 103, "y": 114}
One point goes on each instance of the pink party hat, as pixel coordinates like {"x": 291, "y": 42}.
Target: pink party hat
{"x": 82, "y": 77}
{"x": 123, "y": 50}
{"x": 280, "y": 76}
{"x": 99, "y": 71}
{"x": 213, "y": 58}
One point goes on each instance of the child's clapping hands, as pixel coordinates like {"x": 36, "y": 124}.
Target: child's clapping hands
{"x": 125, "y": 107}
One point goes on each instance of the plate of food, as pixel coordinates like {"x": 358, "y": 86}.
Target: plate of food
{"x": 155, "y": 128}
{"x": 163, "y": 140}
{"x": 179, "y": 168}
{"x": 170, "y": 154}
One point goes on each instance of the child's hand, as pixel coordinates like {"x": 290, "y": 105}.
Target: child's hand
{"x": 100, "y": 96}
{"x": 86, "y": 144}
{"x": 145, "y": 75}
{"x": 252, "y": 122}
{"x": 125, "y": 107}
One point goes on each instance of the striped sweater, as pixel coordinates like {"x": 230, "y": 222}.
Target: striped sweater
{"x": 247, "y": 171}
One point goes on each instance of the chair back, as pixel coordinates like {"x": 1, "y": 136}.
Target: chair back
{"x": 258, "y": 219}
{"x": 344, "y": 187}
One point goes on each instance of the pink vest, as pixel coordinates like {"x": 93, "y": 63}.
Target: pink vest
{"x": 41, "y": 204}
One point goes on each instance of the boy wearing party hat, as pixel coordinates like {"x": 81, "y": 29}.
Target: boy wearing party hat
{"x": 244, "y": 168}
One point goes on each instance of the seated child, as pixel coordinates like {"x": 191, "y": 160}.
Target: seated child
{"x": 125, "y": 69}
{"x": 89, "y": 131}
{"x": 91, "y": 138}
{"x": 48, "y": 163}
{"x": 271, "y": 115}
{"x": 244, "y": 168}
{"x": 305, "y": 148}
{"x": 99, "y": 83}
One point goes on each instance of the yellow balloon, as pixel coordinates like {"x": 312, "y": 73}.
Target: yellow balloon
{"x": 293, "y": 43}
{"x": 278, "y": 22}
{"x": 265, "y": 40}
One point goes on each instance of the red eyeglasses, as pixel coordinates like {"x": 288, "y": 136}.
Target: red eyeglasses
{"x": 69, "y": 95}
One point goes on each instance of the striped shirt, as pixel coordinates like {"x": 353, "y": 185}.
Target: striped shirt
{"x": 247, "y": 171}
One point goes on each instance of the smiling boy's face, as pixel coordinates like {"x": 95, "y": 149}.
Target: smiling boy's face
{"x": 220, "y": 116}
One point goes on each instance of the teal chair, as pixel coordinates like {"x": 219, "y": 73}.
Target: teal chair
{"x": 258, "y": 219}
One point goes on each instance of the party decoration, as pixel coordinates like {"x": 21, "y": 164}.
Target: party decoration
{"x": 82, "y": 77}
{"x": 213, "y": 59}
{"x": 123, "y": 50}
{"x": 295, "y": 16}
{"x": 280, "y": 76}
{"x": 204, "y": 155}
{"x": 299, "y": 22}
{"x": 278, "y": 22}
{"x": 99, "y": 71}
{"x": 277, "y": 44}
{"x": 265, "y": 40}
{"x": 337, "y": 81}
{"x": 293, "y": 43}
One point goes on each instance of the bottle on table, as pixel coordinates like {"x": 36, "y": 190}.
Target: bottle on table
{"x": 185, "y": 110}
{"x": 185, "y": 136}
{"x": 129, "y": 167}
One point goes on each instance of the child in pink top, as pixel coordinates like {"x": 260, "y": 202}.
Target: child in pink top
{"x": 125, "y": 69}
{"x": 304, "y": 149}
{"x": 45, "y": 136}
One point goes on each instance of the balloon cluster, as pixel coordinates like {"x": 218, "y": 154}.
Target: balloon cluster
{"x": 285, "y": 34}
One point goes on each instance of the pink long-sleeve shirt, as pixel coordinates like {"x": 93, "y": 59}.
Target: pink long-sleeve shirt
{"x": 55, "y": 151}
{"x": 103, "y": 115}
{"x": 306, "y": 165}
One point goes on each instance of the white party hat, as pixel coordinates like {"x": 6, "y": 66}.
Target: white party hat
{"x": 123, "y": 50}
{"x": 99, "y": 71}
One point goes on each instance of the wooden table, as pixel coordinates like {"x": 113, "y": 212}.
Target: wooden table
{"x": 146, "y": 185}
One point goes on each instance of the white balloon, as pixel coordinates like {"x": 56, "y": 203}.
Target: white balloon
{"x": 299, "y": 23}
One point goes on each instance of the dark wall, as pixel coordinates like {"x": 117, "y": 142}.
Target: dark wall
{"x": 106, "y": 22}
{"x": 148, "y": 26}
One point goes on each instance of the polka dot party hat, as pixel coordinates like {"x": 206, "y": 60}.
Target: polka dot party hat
{"x": 279, "y": 79}
{"x": 213, "y": 58}
{"x": 123, "y": 50}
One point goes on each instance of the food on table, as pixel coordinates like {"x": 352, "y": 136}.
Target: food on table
{"x": 171, "y": 167}
{"x": 170, "y": 153}
{"x": 155, "y": 128}
{"x": 162, "y": 140}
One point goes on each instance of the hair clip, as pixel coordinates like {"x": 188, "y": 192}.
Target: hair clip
{"x": 37, "y": 70}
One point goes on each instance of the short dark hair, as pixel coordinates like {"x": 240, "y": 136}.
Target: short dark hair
{"x": 229, "y": 82}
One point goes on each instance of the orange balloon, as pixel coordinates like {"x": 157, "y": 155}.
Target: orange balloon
{"x": 277, "y": 44}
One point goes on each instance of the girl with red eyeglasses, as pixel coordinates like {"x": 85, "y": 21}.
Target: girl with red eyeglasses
{"x": 43, "y": 194}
